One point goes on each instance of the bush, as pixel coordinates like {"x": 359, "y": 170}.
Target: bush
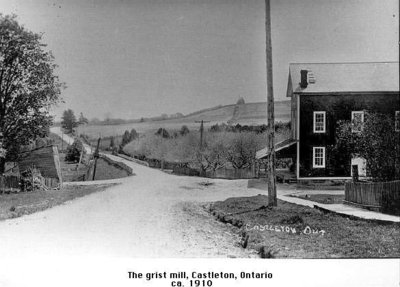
{"x": 184, "y": 130}
{"x": 74, "y": 151}
{"x": 376, "y": 141}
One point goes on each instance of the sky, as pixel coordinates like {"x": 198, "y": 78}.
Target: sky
{"x": 140, "y": 58}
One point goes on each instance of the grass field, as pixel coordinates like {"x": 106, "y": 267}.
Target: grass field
{"x": 317, "y": 235}
{"x": 247, "y": 114}
{"x": 322, "y": 198}
{"x": 18, "y": 204}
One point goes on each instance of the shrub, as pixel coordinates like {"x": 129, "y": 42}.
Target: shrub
{"x": 184, "y": 130}
{"x": 74, "y": 151}
{"x": 163, "y": 133}
{"x": 376, "y": 141}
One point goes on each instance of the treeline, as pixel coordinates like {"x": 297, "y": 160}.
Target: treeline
{"x": 231, "y": 149}
{"x": 112, "y": 143}
{"x": 258, "y": 129}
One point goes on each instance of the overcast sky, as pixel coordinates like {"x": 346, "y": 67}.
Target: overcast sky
{"x": 139, "y": 58}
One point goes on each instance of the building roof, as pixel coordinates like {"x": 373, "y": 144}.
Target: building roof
{"x": 345, "y": 77}
{"x": 263, "y": 153}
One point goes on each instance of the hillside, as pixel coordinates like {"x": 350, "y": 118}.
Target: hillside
{"x": 249, "y": 113}
{"x": 244, "y": 114}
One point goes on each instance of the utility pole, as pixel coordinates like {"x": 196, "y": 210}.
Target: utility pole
{"x": 271, "y": 175}
{"x": 201, "y": 132}
{"x": 96, "y": 156}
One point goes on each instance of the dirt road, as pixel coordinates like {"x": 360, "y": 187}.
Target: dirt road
{"x": 151, "y": 214}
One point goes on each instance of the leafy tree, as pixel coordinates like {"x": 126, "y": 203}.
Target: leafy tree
{"x": 28, "y": 87}
{"x": 74, "y": 151}
{"x": 240, "y": 101}
{"x": 68, "y": 121}
{"x": 133, "y": 135}
{"x": 184, "y": 130}
{"x": 376, "y": 141}
{"x": 163, "y": 133}
{"x": 83, "y": 120}
{"x": 126, "y": 138}
{"x": 112, "y": 143}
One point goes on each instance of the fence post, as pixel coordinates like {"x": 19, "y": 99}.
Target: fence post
{"x": 355, "y": 172}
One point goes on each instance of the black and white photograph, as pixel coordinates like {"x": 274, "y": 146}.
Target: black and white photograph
{"x": 199, "y": 143}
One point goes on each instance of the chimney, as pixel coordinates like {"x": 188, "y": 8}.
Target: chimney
{"x": 303, "y": 79}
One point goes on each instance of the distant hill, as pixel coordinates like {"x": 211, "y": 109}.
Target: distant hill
{"x": 249, "y": 113}
{"x": 241, "y": 113}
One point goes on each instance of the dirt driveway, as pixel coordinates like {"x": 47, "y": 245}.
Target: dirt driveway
{"x": 151, "y": 214}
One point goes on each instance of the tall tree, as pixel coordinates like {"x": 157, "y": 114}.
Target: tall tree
{"x": 82, "y": 120}
{"x": 28, "y": 86}
{"x": 68, "y": 121}
{"x": 133, "y": 135}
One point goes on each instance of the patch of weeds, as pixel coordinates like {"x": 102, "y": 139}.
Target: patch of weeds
{"x": 206, "y": 183}
{"x": 267, "y": 253}
{"x": 295, "y": 219}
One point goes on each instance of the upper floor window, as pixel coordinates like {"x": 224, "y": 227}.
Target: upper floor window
{"x": 318, "y": 157}
{"x": 319, "y": 122}
{"x": 397, "y": 121}
{"x": 357, "y": 120}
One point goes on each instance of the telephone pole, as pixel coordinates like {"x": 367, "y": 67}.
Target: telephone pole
{"x": 271, "y": 175}
{"x": 96, "y": 156}
{"x": 201, "y": 132}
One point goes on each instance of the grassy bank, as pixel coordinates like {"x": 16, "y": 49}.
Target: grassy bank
{"x": 322, "y": 198}
{"x": 18, "y": 204}
{"x": 293, "y": 231}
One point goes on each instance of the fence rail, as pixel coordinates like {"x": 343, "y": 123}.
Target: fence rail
{"x": 10, "y": 183}
{"x": 380, "y": 196}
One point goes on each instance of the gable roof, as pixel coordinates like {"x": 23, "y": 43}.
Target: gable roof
{"x": 345, "y": 77}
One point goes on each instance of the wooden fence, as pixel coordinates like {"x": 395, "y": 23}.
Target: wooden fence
{"x": 231, "y": 173}
{"x": 10, "y": 183}
{"x": 224, "y": 173}
{"x": 379, "y": 196}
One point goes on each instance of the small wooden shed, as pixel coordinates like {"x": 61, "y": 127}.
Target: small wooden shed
{"x": 46, "y": 159}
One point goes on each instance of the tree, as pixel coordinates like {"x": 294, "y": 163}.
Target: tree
{"x": 126, "y": 138}
{"x": 184, "y": 130}
{"x": 240, "y": 101}
{"x": 376, "y": 141}
{"x": 163, "y": 133}
{"x": 68, "y": 121}
{"x": 241, "y": 148}
{"x": 133, "y": 135}
{"x": 215, "y": 154}
{"x": 112, "y": 143}
{"x": 83, "y": 120}
{"x": 74, "y": 151}
{"x": 28, "y": 87}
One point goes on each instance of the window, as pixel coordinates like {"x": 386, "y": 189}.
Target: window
{"x": 319, "y": 122}
{"x": 357, "y": 120}
{"x": 397, "y": 121}
{"x": 318, "y": 157}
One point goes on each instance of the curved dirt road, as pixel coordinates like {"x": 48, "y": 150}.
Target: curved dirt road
{"x": 151, "y": 214}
